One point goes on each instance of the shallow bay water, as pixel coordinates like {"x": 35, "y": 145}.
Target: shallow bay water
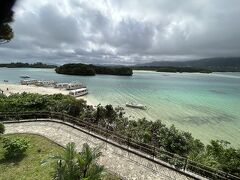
{"x": 206, "y": 105}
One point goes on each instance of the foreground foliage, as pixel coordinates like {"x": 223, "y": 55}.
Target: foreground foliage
{"x": 2, "y": 128}
{"x": 217, "y": 154}
{"x": 6, "y": 17}
{"x": 73, "y": 165}
{"x": 14, "y": 148}
{"x": 220, "y": 155}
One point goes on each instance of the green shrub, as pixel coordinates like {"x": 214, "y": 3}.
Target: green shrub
{"x": 14, "y": 148}
{"x": 2, "y": 128}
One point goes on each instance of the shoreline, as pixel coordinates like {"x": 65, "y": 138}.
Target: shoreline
{"x": 9, "y": 88}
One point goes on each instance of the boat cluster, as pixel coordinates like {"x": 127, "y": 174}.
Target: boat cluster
{"x": 75, "y": 89}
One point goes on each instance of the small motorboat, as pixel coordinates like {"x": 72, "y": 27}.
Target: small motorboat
{"x": 136, "y": 105}
{"x": 5, "y": 81}
{"x": 24, "y": 76}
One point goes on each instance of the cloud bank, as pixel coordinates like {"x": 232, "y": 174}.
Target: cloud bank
{"x": 122, "y": 32}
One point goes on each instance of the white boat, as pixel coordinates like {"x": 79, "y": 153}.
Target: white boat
{"x": 50, "y": 83}
{"x": 78, "y": 92}
{"x": 28, "y": 82}
{"x": 135, "y": 105}
{"x": 24, "y": 76}
{"x": 61, "y": 85}
{"x": 75, "y": 85}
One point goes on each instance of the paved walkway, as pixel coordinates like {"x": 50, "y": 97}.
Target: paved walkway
{"x": 127, "y": 165}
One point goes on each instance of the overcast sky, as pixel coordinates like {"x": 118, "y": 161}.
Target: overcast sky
{"x": 123, "y": 31}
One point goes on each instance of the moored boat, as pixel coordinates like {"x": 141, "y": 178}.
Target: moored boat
{"x": 75, "y": 85}
{"x": 78, "y": 92}
{"x": 24, "y": 76}
{"x": 28, "y": 82}
{"x": 49, "y": 83}
{"x": 61, "y": 85}
{"x": 136, "y": 105}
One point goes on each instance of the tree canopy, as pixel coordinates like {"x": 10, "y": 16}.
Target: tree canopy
{"x": 91, "y": 70}
{"x": 6, "y": 17}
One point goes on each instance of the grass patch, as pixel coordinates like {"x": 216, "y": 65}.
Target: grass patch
{"x": 28, "y": 167}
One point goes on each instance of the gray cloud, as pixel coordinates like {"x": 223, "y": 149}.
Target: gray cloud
{"x": 127, "y": 32}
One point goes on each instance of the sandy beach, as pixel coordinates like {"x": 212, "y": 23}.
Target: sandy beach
{"x": 17, "y": 88}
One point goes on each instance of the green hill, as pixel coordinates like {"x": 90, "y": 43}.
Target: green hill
{"x": 213, "y": 64}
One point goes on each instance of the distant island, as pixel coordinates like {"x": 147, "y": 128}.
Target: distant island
{"x": 27, "y": 65}
{"x": 91, "y": 70}
{"x": 173, "y": 69}
{"x": 218, "y": 64}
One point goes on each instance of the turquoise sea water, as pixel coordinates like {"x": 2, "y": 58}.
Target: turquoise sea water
{"x": 207, "y": 105}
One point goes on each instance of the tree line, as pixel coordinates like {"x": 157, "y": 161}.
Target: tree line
{"x": 217, "y": 64}
{"x": 27, "y": 65}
